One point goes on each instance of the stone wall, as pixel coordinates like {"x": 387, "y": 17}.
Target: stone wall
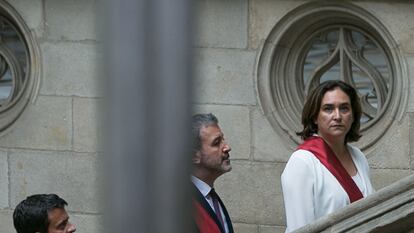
{"x": 229, "y": 40}
{"x": 52, "y": 147}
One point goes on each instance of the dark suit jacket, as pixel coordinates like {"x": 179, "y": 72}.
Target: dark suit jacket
{"x": 199, "y": 198}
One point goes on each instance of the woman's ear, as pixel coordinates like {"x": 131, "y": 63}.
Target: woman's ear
{"x": 315, "y": 120}
{"x": 314, "y": 126}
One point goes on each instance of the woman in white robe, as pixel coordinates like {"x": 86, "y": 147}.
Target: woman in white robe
{"x": 310, "y": 190}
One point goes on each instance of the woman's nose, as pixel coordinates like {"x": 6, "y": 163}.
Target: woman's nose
{"x": 337, "y": 114}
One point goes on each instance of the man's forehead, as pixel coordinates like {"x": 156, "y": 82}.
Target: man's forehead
{"x": 212, "y": 125}
{"x": 58, "y": 214}
{"x": 210, "y": 130}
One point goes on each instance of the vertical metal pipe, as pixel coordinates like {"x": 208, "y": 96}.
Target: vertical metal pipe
{"x": 147, "y": 147}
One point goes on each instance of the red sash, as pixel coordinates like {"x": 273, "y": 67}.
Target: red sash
{"x": 204, "y": 222}
{"x": 326, "y": 156}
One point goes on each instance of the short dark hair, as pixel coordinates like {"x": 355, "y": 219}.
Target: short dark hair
{"x": 199, "y": 121}
{"x": 31, "y": 215}
{"x": 313, "y": 104}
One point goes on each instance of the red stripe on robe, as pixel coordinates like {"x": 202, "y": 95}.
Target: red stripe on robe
{"x": 327, "y": 157}
{"x": 204, "y": 221}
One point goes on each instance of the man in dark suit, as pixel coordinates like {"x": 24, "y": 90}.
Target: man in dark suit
{"x": 210, "y": 160}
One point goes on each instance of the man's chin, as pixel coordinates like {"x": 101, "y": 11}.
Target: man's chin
{"x": 227, "y": 168}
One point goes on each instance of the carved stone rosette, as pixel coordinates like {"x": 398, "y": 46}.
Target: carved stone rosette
{"x": 321, "y": 41}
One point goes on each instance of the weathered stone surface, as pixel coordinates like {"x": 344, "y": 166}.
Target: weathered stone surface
{"x": 71, "y": 176}
{"x": 271, "y": 229}
{"x": 411, "y": 116}
{"x": 221, "y": 23}
{"x": 252, "y": 193}
{"x": 235, "y": 124}
{"x": 245, "y": 228}
{"x": 264, "y": 15}
{"x": 71, "y": 20}
{"x": 87, "y": 223}
{"x": 4, "y": 180}
{"x": 392, "y": 150}
{"x": 225, "y": 86}
{"x": 381, "y": 178}
{"x": 397, "y": 18}
{"x": 224, "y": 76}
{"x": 6, "y": 221}
{"x": 31, "y": 11}
{"x": 268, "y": 145}
{"x": 87, "y": 124}
{"x": 70, "y": 69}
{"x": 47, "y": 124}
{"x": 410, "y": 67}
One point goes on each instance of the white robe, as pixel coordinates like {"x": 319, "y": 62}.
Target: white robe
{"x": 310, "y": 191}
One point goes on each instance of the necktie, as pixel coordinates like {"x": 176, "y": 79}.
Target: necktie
{"x": 214, "y": 197}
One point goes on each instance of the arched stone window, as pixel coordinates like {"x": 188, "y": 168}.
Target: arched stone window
{"x": 19, "y": 65}
{"x": 325, "y": 41}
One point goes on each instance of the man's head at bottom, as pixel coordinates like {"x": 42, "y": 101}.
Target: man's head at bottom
{"x": 42, "y": 213}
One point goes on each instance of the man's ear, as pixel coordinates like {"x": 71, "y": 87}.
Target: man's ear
{"x": 196, "y": 157}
